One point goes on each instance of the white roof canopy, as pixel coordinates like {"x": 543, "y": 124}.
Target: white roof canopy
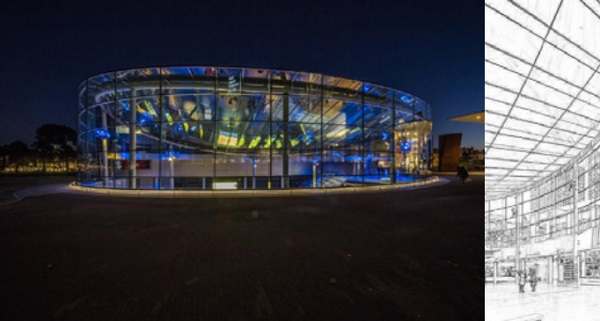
{"x": 542, "y": 88}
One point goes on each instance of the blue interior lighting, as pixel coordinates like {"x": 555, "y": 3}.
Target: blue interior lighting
{"x": 406, "y": 146}
{"x": 102, "y": 133}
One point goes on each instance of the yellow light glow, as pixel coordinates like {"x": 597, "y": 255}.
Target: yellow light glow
{"x": 337, "y": 133}
{"x": 113, "y": 156}
{"x": 254, "y": 142}
{"x": 188, "y": 106}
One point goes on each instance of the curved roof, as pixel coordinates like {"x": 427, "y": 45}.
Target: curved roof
{"x": 241, "y": 80}
{"x": 542, "y": 88}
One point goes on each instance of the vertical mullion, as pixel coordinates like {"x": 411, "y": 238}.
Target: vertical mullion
{"x": 114, "y": 126}
{"x": 414, "y": 127}
{"x": 393, "y": 173}
{"x": 160, "y": 127}
{"x": 86, "y": 142}
{"x": 285, "y": 156}
{"x": 362, "y": 131}
{"x": 322, "y": 160}
{"x": 270, "y": 129}
{"x": 214, "y": 106}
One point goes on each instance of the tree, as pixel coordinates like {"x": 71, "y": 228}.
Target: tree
{"x": 55, "y": 142}
{"x": 3, "y": 157}
{"x": 18, "y": 154}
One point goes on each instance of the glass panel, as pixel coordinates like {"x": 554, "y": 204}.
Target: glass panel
{"x": 184, "y": 108}
{"x": 341, "y": 168}
{"x": 403, "y": 104}
{"x": 229, "y": 81}
{"x": 242, "y": 108}
{"x": 255, "y": 81}
{"x": 342, "y": 137}
{"x": 137, "y": 83}
{"x": 305, "y": 109}
{"x": 187, "y": 163}
{"x": 240, "y": 136}
{"x": 378, "y": 128}
{"x": 187, "y": 81}
{"x": 303, "y": 83}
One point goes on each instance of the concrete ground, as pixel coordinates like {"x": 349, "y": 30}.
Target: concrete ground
{"x": 401, "y": 255}
{"x": 548, "y": 303}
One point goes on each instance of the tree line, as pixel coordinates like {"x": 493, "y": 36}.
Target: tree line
{"x": 55, "y": 146}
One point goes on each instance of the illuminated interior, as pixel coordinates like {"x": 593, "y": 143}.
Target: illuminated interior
{"x": 194, "y": 127}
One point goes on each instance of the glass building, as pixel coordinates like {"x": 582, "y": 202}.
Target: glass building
{"x": 247, "y": 128}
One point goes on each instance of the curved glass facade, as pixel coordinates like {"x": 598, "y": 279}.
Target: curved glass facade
{"x": 247, "y": 128}
{"x": 551, "y": 225}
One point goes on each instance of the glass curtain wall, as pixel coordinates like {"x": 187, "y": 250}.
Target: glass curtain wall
{"x": 247, "y": 128}
{"x": 554, "y": 222}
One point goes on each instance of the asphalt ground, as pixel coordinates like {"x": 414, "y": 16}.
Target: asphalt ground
{"x": 400, "y": 255}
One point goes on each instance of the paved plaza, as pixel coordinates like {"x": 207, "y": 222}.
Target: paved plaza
{"x": 10, "y": 184}
{"x": 550, "y": 303}
{"x": 398, "y": 255}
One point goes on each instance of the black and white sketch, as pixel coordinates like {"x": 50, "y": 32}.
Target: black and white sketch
{"x": 542, "y": 144}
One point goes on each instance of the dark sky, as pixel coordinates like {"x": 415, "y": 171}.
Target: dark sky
{"x": 432, "y": 49}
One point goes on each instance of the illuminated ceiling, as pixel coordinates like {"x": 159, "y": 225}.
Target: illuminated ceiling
{"x": 542, "y": 88}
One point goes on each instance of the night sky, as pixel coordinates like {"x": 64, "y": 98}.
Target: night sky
{"x": 432, "y": 49}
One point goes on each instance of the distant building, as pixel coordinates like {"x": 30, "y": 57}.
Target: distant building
{"x": 449, "y": 152}
{"x": 474, "y": 154}
{"x": 473, "y": 159}
{"x": 451, "y": 155}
